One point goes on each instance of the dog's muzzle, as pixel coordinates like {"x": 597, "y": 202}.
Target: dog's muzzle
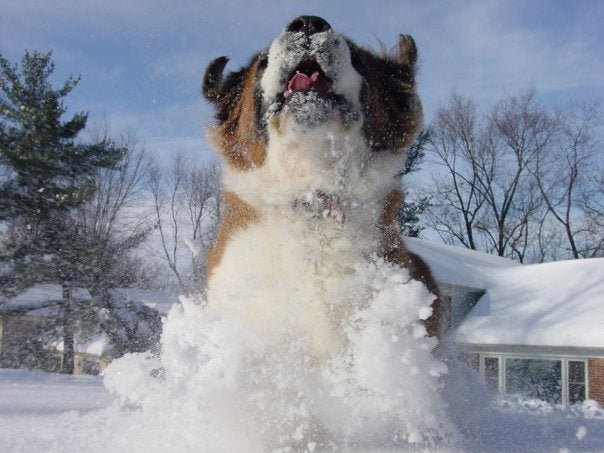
{"x": 303, "y": 77}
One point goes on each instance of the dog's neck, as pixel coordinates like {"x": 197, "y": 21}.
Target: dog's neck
{"x": 333, "y": 160}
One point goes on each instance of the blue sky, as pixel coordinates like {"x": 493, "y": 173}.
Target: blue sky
{"x": 141, "y": 61}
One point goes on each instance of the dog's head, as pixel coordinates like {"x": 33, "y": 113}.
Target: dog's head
{"x": 310, "y": 77}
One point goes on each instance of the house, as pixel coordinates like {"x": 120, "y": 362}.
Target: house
{"x": 91, "y": 356}
{"x": 539, "y": 330}
{"x": 536, "y": 330}
{"x": 26, "y": 321}
{"x": 29, "y": 322}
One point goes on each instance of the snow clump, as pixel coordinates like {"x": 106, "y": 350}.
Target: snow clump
{"x": 221, "y": 384}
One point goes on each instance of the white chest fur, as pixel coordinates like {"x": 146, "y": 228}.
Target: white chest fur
{"x": 290, "y": 272}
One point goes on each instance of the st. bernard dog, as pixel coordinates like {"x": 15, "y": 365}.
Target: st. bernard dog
{"x": 313, "y": 133}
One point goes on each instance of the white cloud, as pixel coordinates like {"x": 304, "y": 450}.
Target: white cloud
{"x": 486, "y": 49}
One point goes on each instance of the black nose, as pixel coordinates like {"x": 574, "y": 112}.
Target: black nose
{"x": 308, "y": 24}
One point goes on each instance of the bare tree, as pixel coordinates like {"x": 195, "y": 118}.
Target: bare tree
{"x": 592, "y": 204}
{"x": 487, "y": 199}
{"x": 518, "y": 130}
{"x": 456, "y": 201}
{"x": 186, "y": 207}
{"x": 112, "y": 211}
{"x": 113, "y": 219}
{"x": 202, "y": 206}
{"x": 521, "y": 181}
{"x": 569, "y": 177}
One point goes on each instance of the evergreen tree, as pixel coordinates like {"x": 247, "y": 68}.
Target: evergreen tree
{"x": 47, "y": 173}
{"x": 410, "y": 211}
{"x": 50, "y": 170}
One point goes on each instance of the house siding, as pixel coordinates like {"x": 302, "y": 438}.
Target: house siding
{"x": 596, "y": 380}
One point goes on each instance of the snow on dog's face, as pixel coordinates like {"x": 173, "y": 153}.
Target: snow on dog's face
{"x": 309, "y": 78}
{"x": 312, "y": 78}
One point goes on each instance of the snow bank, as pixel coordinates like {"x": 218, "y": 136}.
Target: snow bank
{"x": 226, "y": 386}
{"x": 223, "y": 384}
{"x": 55, "y": 413}
{"x": 36, "y": 408}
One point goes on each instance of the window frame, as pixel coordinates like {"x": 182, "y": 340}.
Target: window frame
{"x": 564, "y": 370}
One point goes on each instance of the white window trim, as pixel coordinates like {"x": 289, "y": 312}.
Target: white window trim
{"x": 563, "y": 370}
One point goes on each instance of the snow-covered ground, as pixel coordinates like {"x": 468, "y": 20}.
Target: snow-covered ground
{"x": 55, "y": 413}
{"x": 223, "y": 384}
{"x": 36, "y": 406}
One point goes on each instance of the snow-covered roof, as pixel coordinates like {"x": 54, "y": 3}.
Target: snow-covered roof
{"x": 39, "y": 296}
{"x": 459, "y": 266}
{"x": 98, "y": 345}
{"x": 160, "y": 301}
{"x": 36, "y": 300}
{"x": 550, "y": 304}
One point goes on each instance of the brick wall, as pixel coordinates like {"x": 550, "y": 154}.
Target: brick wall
{"x": 596, "y": 380}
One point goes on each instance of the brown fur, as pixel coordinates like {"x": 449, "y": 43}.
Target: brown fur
{"x": 393, "y": 250}
{"x": 237, "y": 215}
{"x": 390, "y": 125}
{"x": 236, "y": 135}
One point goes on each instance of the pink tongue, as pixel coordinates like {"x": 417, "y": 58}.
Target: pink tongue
{"x": 301, "y": 82}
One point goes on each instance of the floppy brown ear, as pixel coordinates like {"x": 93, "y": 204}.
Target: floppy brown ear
{"x": 407, "y": 51}
{"x": 212, "y": 79}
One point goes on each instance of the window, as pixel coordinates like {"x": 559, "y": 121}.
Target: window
{"x": 491, "y": 372}
{"x": 576, "y": 381}
{"x": 534, "y": 378}
{"x": 555, "y": 380}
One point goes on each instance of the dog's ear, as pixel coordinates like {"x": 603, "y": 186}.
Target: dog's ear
{"x": 392, "y": 110}
{"x": 407, "y": 51}
{"x": 212, "y": 80}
